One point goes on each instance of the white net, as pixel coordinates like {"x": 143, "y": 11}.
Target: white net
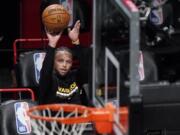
{"x": 43, "y": 127}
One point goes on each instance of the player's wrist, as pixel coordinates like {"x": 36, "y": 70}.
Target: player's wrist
{"x": 76, "y": 42}
{"x": 52, "y": 44}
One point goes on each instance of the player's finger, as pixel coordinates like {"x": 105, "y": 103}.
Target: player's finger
{"x": 77, "y": 24}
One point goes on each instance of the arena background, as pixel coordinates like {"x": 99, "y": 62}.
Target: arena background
{"x": 159, "y": 43}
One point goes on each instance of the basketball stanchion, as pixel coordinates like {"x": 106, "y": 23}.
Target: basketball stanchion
{"x": 70, "y": 119}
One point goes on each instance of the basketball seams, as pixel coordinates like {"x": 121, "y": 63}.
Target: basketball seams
{"x": 52, "y": 24}
{"x": 44, "y": 20}
{"x": 53, "y": 14}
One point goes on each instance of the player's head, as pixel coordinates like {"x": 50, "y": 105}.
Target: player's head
{"x": 63, "y": 60}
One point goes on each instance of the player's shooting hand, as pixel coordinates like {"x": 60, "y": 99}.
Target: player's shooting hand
{"x": 53, "y": 38}
{"x": 74, "y": 32}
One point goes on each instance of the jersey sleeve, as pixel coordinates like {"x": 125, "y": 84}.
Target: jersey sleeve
{"x": 46, "y": 78}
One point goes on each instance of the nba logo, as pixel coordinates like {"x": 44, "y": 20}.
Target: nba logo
{"x": 38, "y": 61}
{"x": 23, "y": 124}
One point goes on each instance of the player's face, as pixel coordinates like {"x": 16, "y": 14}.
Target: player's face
{"x": 63, "y": 62}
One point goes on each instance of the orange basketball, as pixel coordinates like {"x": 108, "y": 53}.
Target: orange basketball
{"x": 55, "y": 18}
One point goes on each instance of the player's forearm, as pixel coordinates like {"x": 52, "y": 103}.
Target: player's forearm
{"x": 48, "y": 64}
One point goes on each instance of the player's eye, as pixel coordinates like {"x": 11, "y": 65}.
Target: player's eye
{"x": 69, "y": 61}
{"x": 60, "y": 60}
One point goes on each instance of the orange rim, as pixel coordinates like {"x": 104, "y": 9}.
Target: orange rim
{"x": 102, "y": 117}
{"x": 56, "y": 107}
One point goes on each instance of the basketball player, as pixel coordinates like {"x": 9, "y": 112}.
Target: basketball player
{"x": 58, "y": 83}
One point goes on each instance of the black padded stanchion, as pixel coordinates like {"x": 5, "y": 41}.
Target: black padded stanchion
{"x": 13, "y": 118}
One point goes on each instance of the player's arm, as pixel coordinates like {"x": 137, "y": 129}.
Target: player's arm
{"x": 46, "y": 79}
{"x": 53, "y": 39}
{"x": 48, "y": 65}
{"x": 74, "y": 33}
{"x": 74, "y": 37}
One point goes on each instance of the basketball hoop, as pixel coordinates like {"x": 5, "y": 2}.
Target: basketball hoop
{"x": 70, "y": 119}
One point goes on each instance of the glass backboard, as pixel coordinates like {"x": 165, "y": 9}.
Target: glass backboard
{"x": 114, "y": 38}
